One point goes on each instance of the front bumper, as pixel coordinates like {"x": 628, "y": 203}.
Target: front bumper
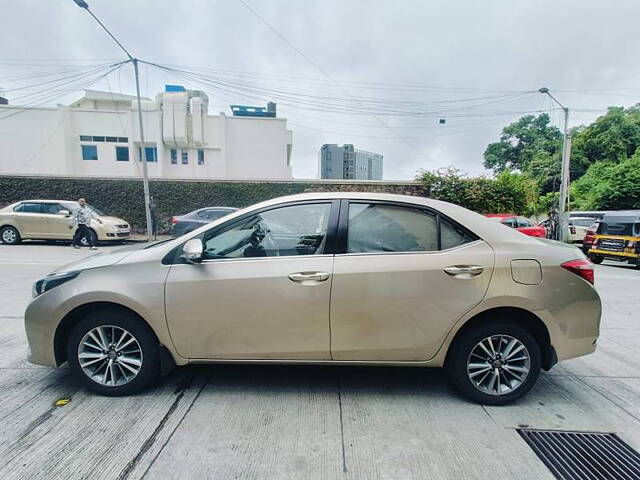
{"x": 41, "y": 319}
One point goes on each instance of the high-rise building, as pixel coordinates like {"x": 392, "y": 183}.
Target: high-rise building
{"x": 349, "y": 163}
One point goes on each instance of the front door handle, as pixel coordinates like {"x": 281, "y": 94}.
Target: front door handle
{"x": 309, "y": 278}
{"x": 464, "y": 270}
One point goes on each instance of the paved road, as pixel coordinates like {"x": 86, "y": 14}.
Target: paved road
{"x": 226, "y": 422}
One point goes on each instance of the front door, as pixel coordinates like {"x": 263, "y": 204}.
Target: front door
{"x": 407, "y": 276}
{"x": 55, "y": 225}
{"x": 262, "y": 290}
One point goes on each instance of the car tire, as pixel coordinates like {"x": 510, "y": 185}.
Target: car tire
{"x": 85, "y": 242}
{"x": 511, "y": 382}
{"x": 133, "y": 367}
{"x": 10, "y": 236}
{"x": 597, "y": 259}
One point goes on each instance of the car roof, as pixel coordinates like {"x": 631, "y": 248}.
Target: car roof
{"x": 47, "y": 201}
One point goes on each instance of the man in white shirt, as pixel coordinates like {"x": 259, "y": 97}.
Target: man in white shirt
{"x": 82, "y": 219}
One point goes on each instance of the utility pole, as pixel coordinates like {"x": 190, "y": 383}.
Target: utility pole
{"x": 143, "y": 150}
{"x": 565, "y": 172}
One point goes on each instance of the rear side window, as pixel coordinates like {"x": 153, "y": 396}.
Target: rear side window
{"x": 28, "y": 208}
{"x": 212, "y": 214}
{"x": 509, "y": 222}
{"x": 389, "y": 228}
{"x": 453, "y": 235}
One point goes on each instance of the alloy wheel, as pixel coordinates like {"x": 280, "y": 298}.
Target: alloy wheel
{"x": 498, "y": 364}
{"x": 9, "y": 236}
{"x": 110, "y": 355}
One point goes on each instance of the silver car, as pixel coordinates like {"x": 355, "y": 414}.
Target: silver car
{"x": 324, "y": 278}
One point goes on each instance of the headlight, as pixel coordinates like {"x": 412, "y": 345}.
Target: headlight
{"x": 52, "y": 281}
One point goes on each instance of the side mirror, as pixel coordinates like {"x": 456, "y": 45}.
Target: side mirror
{"x": 65, "y": 213}
{"x": 192, "y": 251}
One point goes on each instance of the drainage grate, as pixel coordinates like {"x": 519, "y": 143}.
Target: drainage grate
{"x": 584, "y": 455}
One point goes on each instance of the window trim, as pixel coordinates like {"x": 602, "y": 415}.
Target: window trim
{"x": 119, "y": 148}
{"x": 343, "y": 229}
{"x": 82, "y": 154}
{"x": 173, "y": 257}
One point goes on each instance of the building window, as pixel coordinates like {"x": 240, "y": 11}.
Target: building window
{"x": 200, "y": 157}
{"x": 174, "y": 156}
{"x": 90, "y": 138}
{"x": 89, "y": 152}
{"x": 122, "y": 154}
{"x": 185, "y": 157}
{"x": 150, "y": 152}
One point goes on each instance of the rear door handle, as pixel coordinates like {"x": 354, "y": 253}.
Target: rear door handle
{"x": 309, "y": 277}
{"x": 464, "y": 270}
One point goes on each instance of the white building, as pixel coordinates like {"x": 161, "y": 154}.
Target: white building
{"x": 98, "y": 136}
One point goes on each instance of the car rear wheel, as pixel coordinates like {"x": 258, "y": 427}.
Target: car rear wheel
{"x": 494, "y": 364}
{"x": 113, "y": 353}
{"x": 10, "y": 235}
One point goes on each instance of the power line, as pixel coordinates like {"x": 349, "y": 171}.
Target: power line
{"x": 321, "y": 70}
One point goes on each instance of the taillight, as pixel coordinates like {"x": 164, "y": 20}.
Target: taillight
{"x": 595, "y": 242}
{"x": 174, "y": 220}
{"x": 581, "y": 267}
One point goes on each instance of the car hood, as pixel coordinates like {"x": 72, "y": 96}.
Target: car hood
{"x": 113, "y": 221}
{"x": 101, "y": 259}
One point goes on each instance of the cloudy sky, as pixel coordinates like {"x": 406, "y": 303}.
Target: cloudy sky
{"x": 378, "y": 74}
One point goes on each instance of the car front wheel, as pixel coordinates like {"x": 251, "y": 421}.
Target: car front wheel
{"x": 10, "y": 236}
{"x": 113, "y": 353}
{"x": 494, "y": 364}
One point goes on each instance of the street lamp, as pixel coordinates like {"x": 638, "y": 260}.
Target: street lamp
{"x": 145, "y": 176}
{"x": 564, "y": 171}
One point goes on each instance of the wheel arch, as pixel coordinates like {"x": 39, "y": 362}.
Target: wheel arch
{"x": 516, "y": 315}
{"x": 67, "y": 323}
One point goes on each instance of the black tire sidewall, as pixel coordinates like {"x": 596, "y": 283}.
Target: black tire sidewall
{"x": 457, "y": 361}
{"x": 130, "y": 322}
{"x": 18, "y": 238}
{"x": 597, "y": 259}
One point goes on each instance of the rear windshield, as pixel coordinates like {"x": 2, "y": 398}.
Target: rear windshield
{"x": 617, "y": 228}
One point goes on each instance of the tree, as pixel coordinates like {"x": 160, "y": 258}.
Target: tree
{"x": 613, "y": 138}
{"x": 608, "y": 186}
{"x": 521, "y": 142}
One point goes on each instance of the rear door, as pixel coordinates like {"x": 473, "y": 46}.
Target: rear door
{"x": 27, "y": 217}
{"x": 405, "y": 276}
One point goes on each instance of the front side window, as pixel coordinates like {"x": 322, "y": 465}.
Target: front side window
{"x": 388, "y": 228}
{"x": 523, "y": 222}
{"x": 89, "y": 152}
{"x": 285, "y": 231}
{"x": 51, "y": 208}
{"x": 122, "y": 154}
{"x": 27, "y": 208}
{"x": 150, "y": 152}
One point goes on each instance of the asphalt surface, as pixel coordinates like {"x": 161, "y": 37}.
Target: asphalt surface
{"x": 244, "y": 422}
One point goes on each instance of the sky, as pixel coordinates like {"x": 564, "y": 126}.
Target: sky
{"x": 381, "y": 75}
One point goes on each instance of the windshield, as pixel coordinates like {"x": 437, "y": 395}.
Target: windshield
{"x": 581, "y": 222}
{"x": 619, "y": 228}
{"x": 73, "y": 206}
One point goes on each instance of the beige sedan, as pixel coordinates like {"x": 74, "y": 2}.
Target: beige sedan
{"x": 51, "y": 220}
{"x": 324, "y": 278}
